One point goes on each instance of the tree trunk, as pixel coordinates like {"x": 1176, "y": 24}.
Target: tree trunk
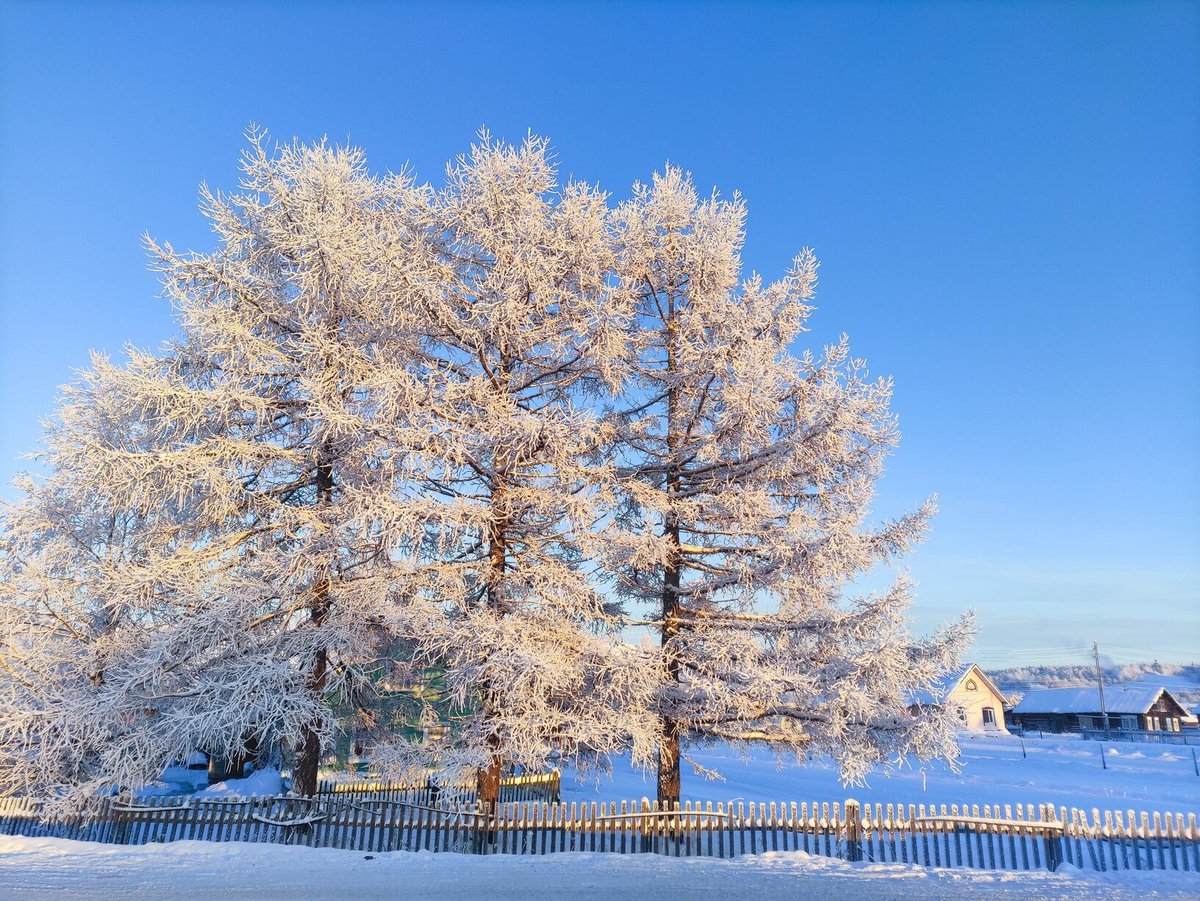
{"x": 488, "y": 783}
{"x": 669, "y": 788}
{"x": 248, "y": 753}
{"x": 308, "y": 757}
{"x": 489, "y": 779}
{"x": 669, "y": 751}
{"x": 669, "y": 782}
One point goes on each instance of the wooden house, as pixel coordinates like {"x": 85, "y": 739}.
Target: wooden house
{"x": 971, "y": 695}
{"x": 1130, "y": 707}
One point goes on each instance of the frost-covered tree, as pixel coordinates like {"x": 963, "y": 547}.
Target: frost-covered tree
{"x": 60, "y": 549}
{"x": 249, "y": 472}
{"x": 380, "y": 448}
{"x": 748, "y": 474}
{"x": 519, "y": 342}
{"x": 371, "y": 447}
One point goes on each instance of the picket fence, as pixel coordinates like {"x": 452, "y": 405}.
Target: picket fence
{"x": 1011, "y": 837}
{"x": 545, "y": 787}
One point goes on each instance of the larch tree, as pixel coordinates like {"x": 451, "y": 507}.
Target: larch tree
{"x": 384, "y": 443}
{"x": 747, "y": 475}
{"x": 250, "y": 472}
{"x": 61, "y": 548}
{"x": 520, "y": 344}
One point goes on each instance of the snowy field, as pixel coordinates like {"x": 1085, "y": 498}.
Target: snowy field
{"x": 1063, "y": 770}
{"x": 44, "y": 869}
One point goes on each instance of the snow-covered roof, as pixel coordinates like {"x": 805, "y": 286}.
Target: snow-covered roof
{"x": 945, "y": 686}
{"x": 1122, "y": 697}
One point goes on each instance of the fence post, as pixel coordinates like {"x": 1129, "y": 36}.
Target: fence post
{"x": 1053, "y": 836}
{"x": 645, "y": 825}
{"x": 852, "y": 830}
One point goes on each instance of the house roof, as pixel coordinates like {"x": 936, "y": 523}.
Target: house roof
{"x": 945, "y": 686}
{"x": 1122, "y": 697}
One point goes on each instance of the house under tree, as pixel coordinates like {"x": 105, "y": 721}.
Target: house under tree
{"x": 971, "y": 695}
{"x": 1128, "y": 707}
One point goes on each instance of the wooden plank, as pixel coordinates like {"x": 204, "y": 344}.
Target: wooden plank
{"x": 1146, "y": 838}
{"x": 180, "y": 820}
{"x": 339, "y": 817}
{"x": 1078, "y": 835}
{"x": 211, "y": 812}
{"x": 392, "y": 819}
{"x": 1129, "y": 839}
{"x": 943, "y": 830}
{"x": 716, "y": 831}
{"x": 957, "y": 835}
{"x": 737, "y": 832}
{"x": 1158, "y": 841}
{"x": 142, "y": 821}
{"x": 220, "y": 813}
{"x": 149, "y": 809}
{"x": 713, "y": 825}
{"x": 241, "y": 824}
{"x": 1012, "y": 841}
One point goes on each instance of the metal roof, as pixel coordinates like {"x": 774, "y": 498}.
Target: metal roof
{"x": 1121, "y": 697}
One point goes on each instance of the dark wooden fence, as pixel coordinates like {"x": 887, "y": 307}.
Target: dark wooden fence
{"x": 1010, "y": 837}
{"x": 1185, "y": 737}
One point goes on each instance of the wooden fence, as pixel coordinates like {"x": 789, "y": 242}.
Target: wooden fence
{"x": 544, "y": 787}
{"x": 1186, "y": 737}
{"x": 1016, "y": 837}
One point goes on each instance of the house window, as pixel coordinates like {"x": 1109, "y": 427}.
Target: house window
{"x": 1152, "y": 723}
{"x": 962, "y": 714}
{"x": 989, "y": 716}
{"x": 1129, "y": 723}
{"x": 971, "y": 686}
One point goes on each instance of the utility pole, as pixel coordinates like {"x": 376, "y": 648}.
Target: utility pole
{"x": 1100, "y": 685}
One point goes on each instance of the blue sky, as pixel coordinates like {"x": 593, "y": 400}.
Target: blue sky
{"x": 1005, "y": 199}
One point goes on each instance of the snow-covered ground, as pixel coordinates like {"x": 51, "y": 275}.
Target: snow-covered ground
{"x": 1063, "y": 770}
{"x": 44, "y": 869}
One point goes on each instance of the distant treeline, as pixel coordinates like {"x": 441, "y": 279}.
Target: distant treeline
{"x": 1023, "y": 678}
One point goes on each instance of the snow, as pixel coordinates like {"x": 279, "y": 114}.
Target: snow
{"x": 175, "y": 780}
{"x": 45, "y": 869}
{"x": 1125, "y": 697}
{"x": 259, "y": 784}
{"x": 1170, "y": 683}
{"x": 1063, "y": 770}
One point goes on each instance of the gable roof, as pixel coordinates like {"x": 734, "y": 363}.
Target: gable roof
{"x": 1122, "y": 697}
{"x": 946, "y": 686}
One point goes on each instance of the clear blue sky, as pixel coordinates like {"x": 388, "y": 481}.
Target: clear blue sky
{"x": 1005, "y": 199}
